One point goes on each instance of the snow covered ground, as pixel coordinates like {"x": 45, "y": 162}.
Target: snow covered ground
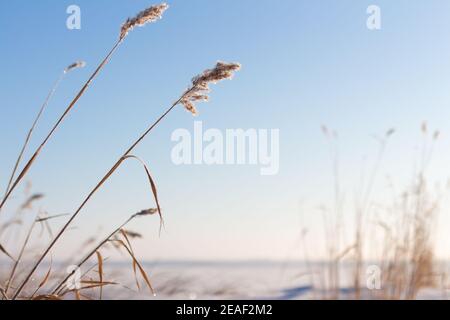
{"x": 252, "y": 280}
{"x": 232, "y": 280}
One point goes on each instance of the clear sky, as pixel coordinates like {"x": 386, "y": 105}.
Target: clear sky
{"x": 305, "y": 63}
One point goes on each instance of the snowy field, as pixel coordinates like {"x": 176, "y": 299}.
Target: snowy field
{"x": 255, "y": 280}
{"x": 232, "y": 280}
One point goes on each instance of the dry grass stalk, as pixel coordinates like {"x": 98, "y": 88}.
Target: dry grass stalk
{"x": 363, "y": 210}
{"x": 35, "y": 155}
{"x": 45, "y": 219}
{"x": 411, "y": 261}
{"x": 132, "y": 234}
{"x": 4, "y": 295}
{"x": 139, "y": 266}
{"x": 39, "y": 220}
{"x": 125, "y": 236}
{"x": 100, "y": 271}
{"x": 28, "y": 203}
{"x": 19, "y": 258}
{"x": 407, "y": 253}
{"x": 333, "y": 219}
{"x": 142, "y": 213}
{"x": 152, "y": 186}
{"x": 44, "y": 281}
{"x": 76, "y": 65}
{"x": 3, "y": 250}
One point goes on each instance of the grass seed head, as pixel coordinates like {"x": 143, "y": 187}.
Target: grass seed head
{"x": 147, "y": 212}
{"x": 199, "y": 90}
{"x": 75, "y": 65}
{"x": 152, "y": 14}
{"x": 132, "y": 234}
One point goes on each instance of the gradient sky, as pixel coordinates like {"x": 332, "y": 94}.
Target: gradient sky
{"x": 305, "y": 63}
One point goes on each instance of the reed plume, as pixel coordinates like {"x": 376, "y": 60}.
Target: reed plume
{"x": 199, "y": 90}
{"x": 75, "y": 65}
{"x": 199, "y": 84}
{"x": 148, "y": 15}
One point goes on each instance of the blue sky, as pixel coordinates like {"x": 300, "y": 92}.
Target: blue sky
{"x": 305, "y": 63}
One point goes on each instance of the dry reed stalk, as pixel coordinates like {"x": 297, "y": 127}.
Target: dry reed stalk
{"x": 4, "y": 295}
{"x": 43, "y": 281}
{"x": 76, "y": 65}
{"x": 138, "y": 265}
{"x": 19, "y": 258}
{"x": 413, "y": 262}
{"x": 82, "y": 276}
{"x": 200, "y": 83}
{"x": 100, "y": 271}
{"x": 25, "y": 244}
{"x": 102, "y": 243}
{"x": 89, "y": 284}
{"x": 30, "y": 162}
{"x": 362, "y": 211}
{"x": 132, "y": 234}
{"x": 409, "y": 262}
{"x": 5, "y": 252}
{"x": 149, "y": 15}
{"x": 309, "y": 268}
{"x": 333, "y": 222}
{"x": 28, "y": 203}
{"x": 407, "y": 259}
{"x": 125, "y": 236}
